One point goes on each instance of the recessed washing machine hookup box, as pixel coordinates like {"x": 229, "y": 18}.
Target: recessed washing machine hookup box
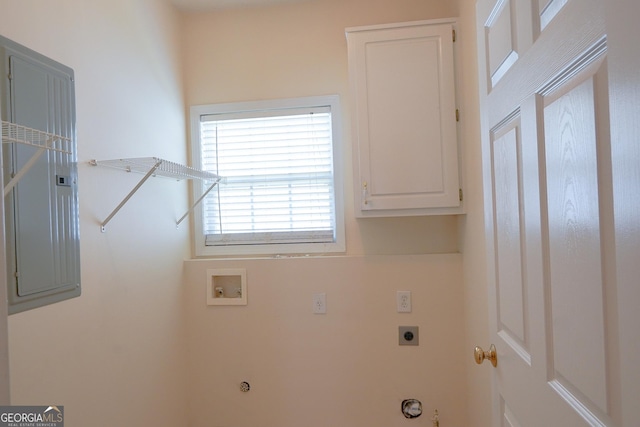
{"x": 227, "y": 286}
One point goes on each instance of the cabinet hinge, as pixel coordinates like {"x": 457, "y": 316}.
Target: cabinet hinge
{"x": 457, "y": 115}
{"x": 9, "y": 76}
{"x": 460, "y": 193}
{"x": 453, "y": 35}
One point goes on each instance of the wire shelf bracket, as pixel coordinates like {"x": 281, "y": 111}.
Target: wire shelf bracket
{"x": 43, "y": 141}
{"x": 154, "y": 166}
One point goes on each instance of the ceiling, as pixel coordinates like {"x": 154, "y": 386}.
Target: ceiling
{"x": 221, "y": 4}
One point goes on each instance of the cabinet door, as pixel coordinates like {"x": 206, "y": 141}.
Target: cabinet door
{"x": 402, "y": 82}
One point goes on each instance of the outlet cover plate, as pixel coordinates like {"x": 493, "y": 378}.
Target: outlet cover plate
{"x": 408, "y": 335}
{"x": 320, "y": 303}
{"x": 403, "y": 301}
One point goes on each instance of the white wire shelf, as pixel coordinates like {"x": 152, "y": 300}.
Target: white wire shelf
{"x": 13, "y": 133}
{"x": 154, "y": 166}
{"x": 43, "y": 141}
{"x": 165, "y": 168}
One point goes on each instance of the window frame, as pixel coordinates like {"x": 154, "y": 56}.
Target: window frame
{"x": 198, "y": 187}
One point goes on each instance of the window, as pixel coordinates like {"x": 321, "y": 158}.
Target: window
{"x": 281, "y": 191}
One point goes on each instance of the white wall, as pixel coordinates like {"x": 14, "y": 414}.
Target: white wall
{"x": 113, "y": 356}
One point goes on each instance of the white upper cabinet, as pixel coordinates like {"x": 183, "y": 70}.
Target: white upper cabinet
{"x": 402, "y": 80}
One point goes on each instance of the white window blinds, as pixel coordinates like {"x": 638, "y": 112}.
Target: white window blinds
{"x": 278, "y": 177}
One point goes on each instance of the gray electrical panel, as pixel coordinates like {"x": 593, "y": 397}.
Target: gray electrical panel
{"x": 41, "y": 211}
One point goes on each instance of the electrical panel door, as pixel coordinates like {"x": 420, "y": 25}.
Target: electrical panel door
{"x": 41, "y": 212}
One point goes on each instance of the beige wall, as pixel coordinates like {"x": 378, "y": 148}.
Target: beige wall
{"x": 122, "y": 344}
{"x": 115, "y": 355}
{"x": 300, "y": 49}
{"x": 472, "y": 237}
{"x": 342, "y": 368}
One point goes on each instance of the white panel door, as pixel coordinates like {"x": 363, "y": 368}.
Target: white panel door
{"x": 549, "y": 212}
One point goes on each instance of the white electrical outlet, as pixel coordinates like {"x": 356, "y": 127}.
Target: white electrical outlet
{"x": 320, "y": 303}
{"x": 403, "y": 300}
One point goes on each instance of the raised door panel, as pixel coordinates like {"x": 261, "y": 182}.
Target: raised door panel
{"x": 508, "y": 418}
{"x": 511, "y": 290}
{"x": 507, "y": 36}
{"x": 576, "y": 226}
{"x": 548, "y": 9}
{"x": 401, "y": 75}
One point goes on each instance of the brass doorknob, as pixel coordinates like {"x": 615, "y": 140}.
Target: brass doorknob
{"x": 480, "y": 355}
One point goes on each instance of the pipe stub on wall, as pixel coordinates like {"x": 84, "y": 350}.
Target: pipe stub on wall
{"x": 411, "y": 408}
